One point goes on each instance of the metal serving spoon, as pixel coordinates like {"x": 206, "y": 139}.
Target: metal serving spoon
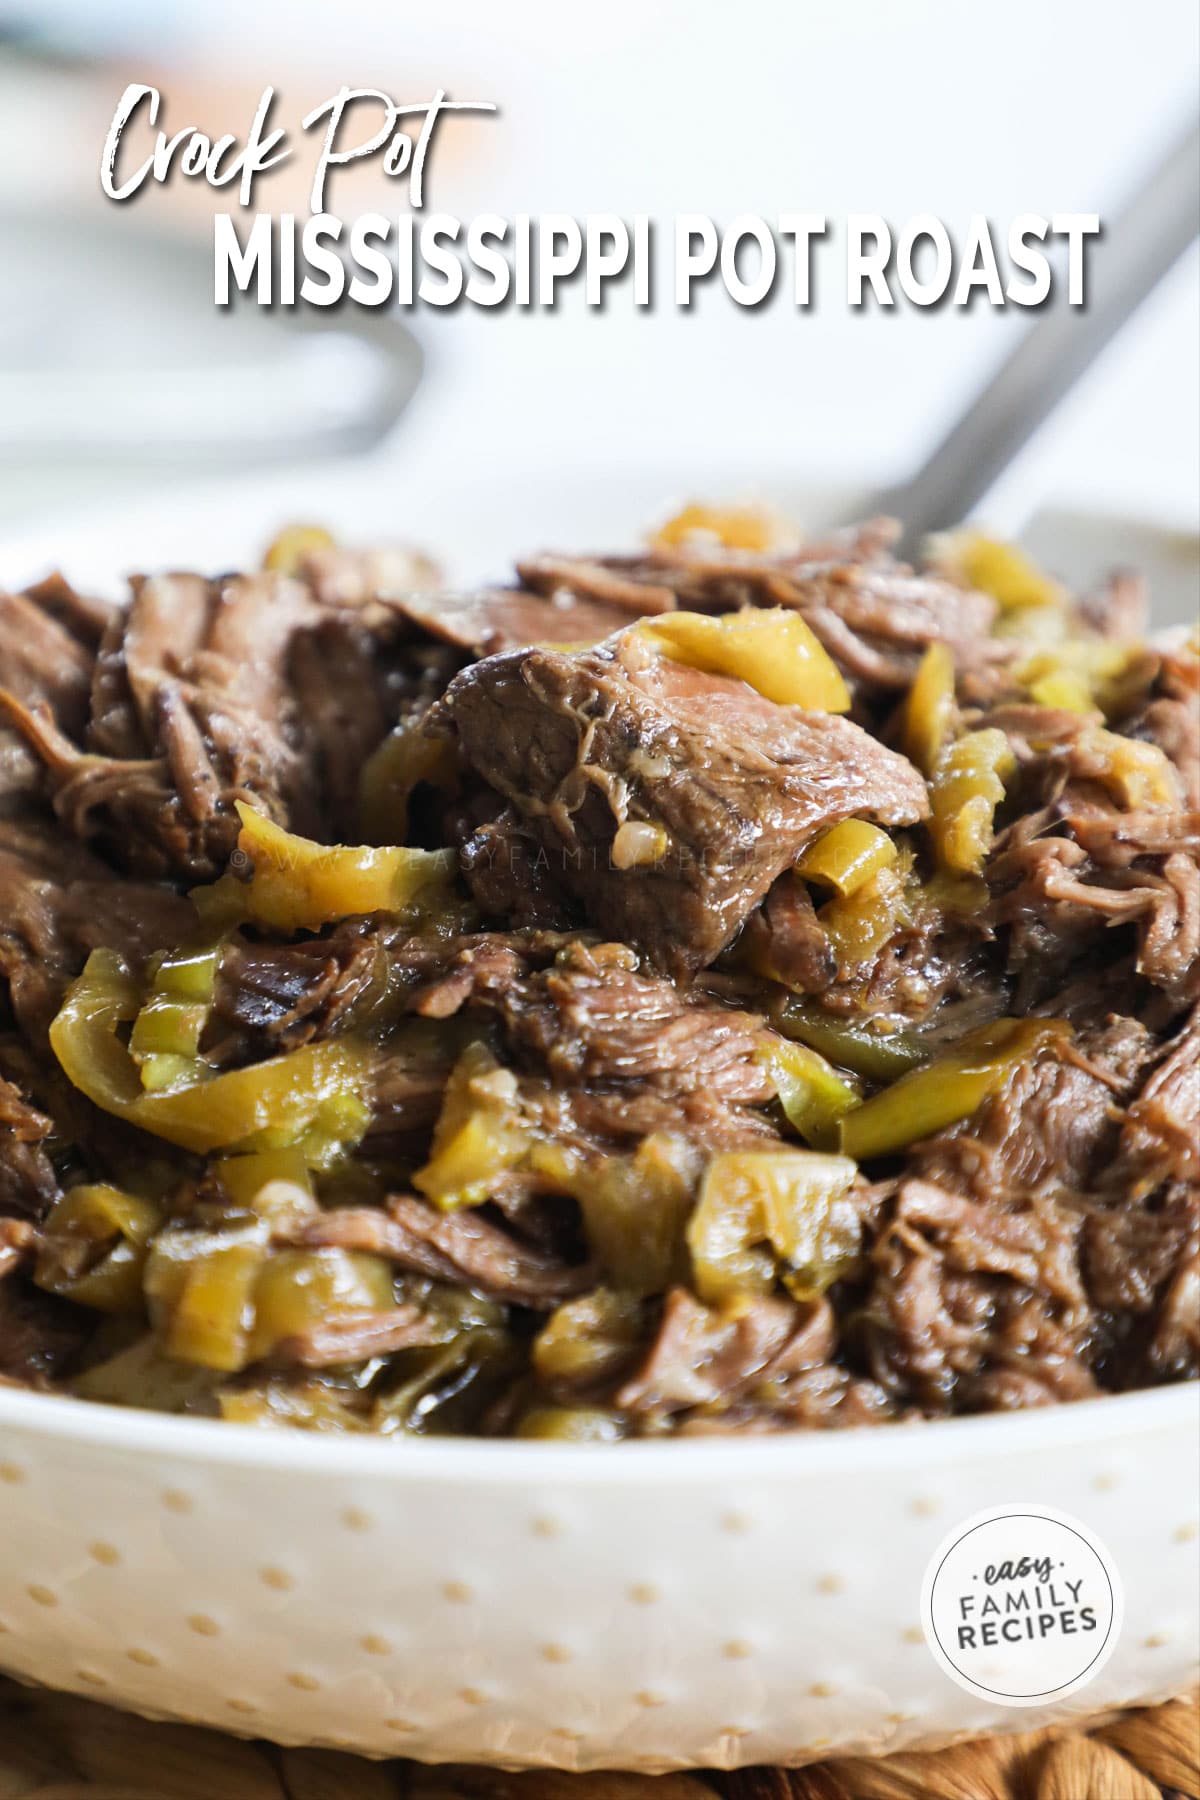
{"x": 1137, "y": 249}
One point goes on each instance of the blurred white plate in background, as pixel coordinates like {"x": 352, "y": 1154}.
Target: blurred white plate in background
{"x": 474, "y": 509}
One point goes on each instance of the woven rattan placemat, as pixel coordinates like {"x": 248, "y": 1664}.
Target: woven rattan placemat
{"x": 56, "y": 1747}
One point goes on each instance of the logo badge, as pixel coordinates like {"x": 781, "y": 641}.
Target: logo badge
{"x": 1021, "y": 1605}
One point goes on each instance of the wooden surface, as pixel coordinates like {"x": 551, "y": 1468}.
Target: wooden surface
{"x": 56, "y": 1747}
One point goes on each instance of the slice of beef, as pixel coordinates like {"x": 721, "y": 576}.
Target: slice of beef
{"x": 510, "y": 874}
{"x": 83, "y": 615}
{"x": 341, "y": 707}
{"x": 874, "y": 616}
{"x": 28, "y": 1183}
{"x": 786, "y": 937}
{"x": 1034, "y": 732}
{"x": 356, "y": 1338}
{"x": 57, "y": 902}
{"x": 581, "y": 745}
{"x": 704, "y": 575}
{"x": 594, "y": 580}
{"x": 494, "y": 619}
{"x": 880, "y": 623}
{"x": 342, "y": 576}
{"x": 704, "y": 1355}
{"x": 465, "y": 1248}
{"x": 599, "y": 1121}
{"x": 40, "y": 659}
{"x": 1117, "y": 840}
{"x": 593, "y": 1021}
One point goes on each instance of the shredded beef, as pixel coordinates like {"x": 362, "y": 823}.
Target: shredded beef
{"x": 208, "y": 692}
{"x": 543, "y": 1175}
{"x": 48, "y": 642}
{"x": 57, "y": 902}
{"x": 460, "y": 1247}
{"x": 786, "y": 936}
{"x": 342, "y": 576}
{"x": 481, "y": 624}
{"x": 1053, "y": 1125}
{"x": 279, "y": 996}
{"x": 28, "y": 1183}
{"x": 40, "y": 659}
{"x": 701, "y": 1356}
{"x": 596, "y": 1021}
{"x": 41, "y": 1337}
{"x": 355, "y": 1338}
{"x": 872, "y": 614}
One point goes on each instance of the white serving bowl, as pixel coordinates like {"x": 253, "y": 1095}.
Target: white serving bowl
{"x": 646, "y": 1606}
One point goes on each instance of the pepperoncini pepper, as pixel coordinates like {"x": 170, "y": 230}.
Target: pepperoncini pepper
{"x": 275, "y": 1184}
{"x": 314, "y": 1097}
{"x": 859, "y": 924}
{"x": 946, "y": 1090}
{"x": 199, "y": 1288}
{"x": 479, "y": 1133}
{"x": 1137, "y": 774}
{"x": 634, "y": 1206}
{"x": 588, "y": 1339}
{"x": 1002, "y": 570}
{"x": 296, "y": 1289}
{"x": 752, "y": 528}
{"x": 112, "y": 1229}
{"x": 847, "y": 856}
{"x": 294, "y": 544}
{"x": 772, "y": 649}
{"x": 811, "y": 1092}
{"x": 929, "y": 711}
{"x": 224, "y": 1299}
{"x": 1083, "y": 674}
{"x": 297, "y": 884}
{"x": 967, "y": 787}
{"x": 165, "y": 1039}
{"x": 853, "y": 1044}
{"x": 405, "y": 758}
{"x": 572, "y": 1424}
{"x": 764, "y": 1214}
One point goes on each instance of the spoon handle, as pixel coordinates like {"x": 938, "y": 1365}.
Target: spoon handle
{"x": 1136, "y": 250}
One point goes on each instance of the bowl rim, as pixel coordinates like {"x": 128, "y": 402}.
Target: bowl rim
{"x": 1112, "y": 1420}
